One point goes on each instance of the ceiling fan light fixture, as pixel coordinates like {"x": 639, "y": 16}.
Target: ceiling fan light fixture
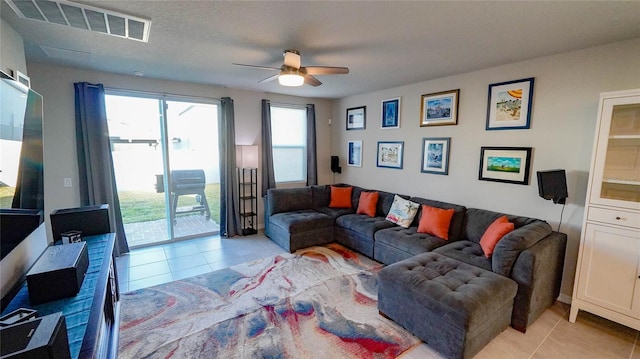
{"x": 291, "y": 77}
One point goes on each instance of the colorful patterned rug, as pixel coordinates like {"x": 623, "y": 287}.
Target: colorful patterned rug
{"x": 319, "y": 302}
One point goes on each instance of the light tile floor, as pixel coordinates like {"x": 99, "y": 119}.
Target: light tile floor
{"x": 551, "y": 336}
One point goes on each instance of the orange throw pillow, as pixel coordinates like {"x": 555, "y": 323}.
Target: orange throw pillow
{"x": 367, "y": 203}
{"x": 340, "y": 197}
{"x": 435, "y": 221}
{"x": 498, "y": 229}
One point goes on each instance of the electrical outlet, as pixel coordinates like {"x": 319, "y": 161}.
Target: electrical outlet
{"x": 67, "y": 182}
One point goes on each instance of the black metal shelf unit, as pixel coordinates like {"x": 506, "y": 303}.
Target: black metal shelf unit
{"x": 248, "y": 192}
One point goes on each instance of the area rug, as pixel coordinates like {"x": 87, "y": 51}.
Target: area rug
{"x": 319, "y": 302}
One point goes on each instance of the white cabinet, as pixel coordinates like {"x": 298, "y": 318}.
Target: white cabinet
{"x": 608, "y": 274}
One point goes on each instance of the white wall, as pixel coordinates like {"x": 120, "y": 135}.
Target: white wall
{"x": 55, "y": 84}
{"x": 566, "y": 92}
{"x": 11, "y": 50}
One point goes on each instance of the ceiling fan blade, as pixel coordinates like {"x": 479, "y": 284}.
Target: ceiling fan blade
{"x": 270, "y": 78}
{"x": 325, "y": 70}
{"x": 257, "y": 66}
{"x": 292, "y": 59}
{"x": 310, "y": 80}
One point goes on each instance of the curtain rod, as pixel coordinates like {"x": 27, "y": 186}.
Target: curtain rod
{"x": 282, "y": 104}
{"x": 159, "y": 94}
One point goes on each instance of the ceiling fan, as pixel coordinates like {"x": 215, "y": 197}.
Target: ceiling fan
{"x": 292, "y": 74}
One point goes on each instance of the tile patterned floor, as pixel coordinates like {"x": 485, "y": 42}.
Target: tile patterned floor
{"x": 550, "y": 337}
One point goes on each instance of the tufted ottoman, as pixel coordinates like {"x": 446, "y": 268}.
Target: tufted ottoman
{"x": 301, "y": 229}
{"x": 454, "y": 307}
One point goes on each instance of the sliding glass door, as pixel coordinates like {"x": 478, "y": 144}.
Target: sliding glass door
{"x": 165, "y": 153}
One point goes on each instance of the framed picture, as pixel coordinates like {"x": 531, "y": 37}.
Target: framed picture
{"x": 509, "y": 105}
{"x": 435, "y": 155}
{"x": 355, "y": 154}
{"x": 505, "y": 164}
{"x": 356, "y": 118}
{"x": 390, "y": 154}
{"x": 440, "y": 108}
{"x": 391, "y": 113}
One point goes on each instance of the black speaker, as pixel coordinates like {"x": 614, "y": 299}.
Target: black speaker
{"x": 553, "y": 185}
{"x": 335, "y": 164}
{"x": 90, "y": 220}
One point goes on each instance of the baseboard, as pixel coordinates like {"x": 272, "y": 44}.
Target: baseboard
{"x": 564, "y": 298}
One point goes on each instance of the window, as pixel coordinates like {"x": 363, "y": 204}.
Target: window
{"x": 289, "y": 142}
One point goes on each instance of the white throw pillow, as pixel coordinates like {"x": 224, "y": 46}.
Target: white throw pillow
{"x": 402, "y": 211}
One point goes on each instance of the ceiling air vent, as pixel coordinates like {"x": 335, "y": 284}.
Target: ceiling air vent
{"x": 83, "y": 17}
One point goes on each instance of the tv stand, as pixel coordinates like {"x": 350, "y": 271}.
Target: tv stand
{"x": 93, "y": 315}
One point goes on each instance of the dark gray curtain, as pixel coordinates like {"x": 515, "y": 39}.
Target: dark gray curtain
{"x": 229, "y": 201}
{"x": 268, "y": 174}
{"x": 312, "y": 165}
{"x": 29, "y": 193}
{"x": 97, "y": 181}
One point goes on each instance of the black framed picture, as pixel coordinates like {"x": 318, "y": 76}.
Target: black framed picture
{"x": 505, "y": 164}
{"x": 356, "y": 118}
{"x": 390, "y": 154}
{"x": 435, "y": 155}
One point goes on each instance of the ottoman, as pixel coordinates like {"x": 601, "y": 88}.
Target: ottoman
{"x": 454, "y": 307}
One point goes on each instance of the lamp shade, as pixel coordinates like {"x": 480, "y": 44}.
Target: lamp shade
{"x": 247, "y": 156}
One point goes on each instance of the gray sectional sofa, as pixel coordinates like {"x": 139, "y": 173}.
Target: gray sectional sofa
{"x": 532, "y": 254}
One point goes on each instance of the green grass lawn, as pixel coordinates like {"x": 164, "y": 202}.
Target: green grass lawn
{"x": 150, "y": 206}
{"x": 6, "y": 196}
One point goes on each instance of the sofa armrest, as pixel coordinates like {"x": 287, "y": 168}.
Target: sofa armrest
{"x": 509, "y": 247}
{"x": 287, "y": 199}
{"x": 538, "y": 272}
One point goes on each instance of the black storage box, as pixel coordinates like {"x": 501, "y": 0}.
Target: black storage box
{"x": 90, "y": 220}
{"x": 40, "y": 338}
{"x": 58, "y": 273}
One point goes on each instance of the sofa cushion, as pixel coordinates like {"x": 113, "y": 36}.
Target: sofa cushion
{"x": 455, "y": 228}
{"x": 408, "y": 240}
{"x": 335, "y": 212}
{"x": 467, "y": 252}
{"x": 494, "y": 233}
{"x": 363, "y": 224}
{"x": 340, "y": 197}
{"x": 435, "y": 221}
{"x": 303, "y": 220}
{"x": 288, "y": 199}
{"x": 367, "y": 203}
{"x": 320, "y": 196}
{"x": 402, "y": 211}
{"x": 476, "y": 222}
{"x": 509, "y": 247}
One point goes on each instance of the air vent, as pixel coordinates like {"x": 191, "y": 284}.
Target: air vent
{"x": 83, "y": 17}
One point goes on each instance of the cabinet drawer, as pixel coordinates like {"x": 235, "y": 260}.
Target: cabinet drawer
{"x": 615, "y": 217}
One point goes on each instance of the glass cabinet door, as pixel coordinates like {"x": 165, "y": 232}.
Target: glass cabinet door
{"x": 616, "y": 174}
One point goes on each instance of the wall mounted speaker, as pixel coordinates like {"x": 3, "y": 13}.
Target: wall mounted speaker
{"x": 553, "y": 185}
{"x": 335, "y": 164}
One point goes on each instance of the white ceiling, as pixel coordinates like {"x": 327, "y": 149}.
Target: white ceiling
{"x": 384, "y": 43}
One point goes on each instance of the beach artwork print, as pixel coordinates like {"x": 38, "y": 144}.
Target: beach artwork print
{"x": 509, "y": 105}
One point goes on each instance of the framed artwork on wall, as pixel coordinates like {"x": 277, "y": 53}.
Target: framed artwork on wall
{"x": 354, "y": 157}
{"x": 440, "y": 108}
{"x": 391, "y": 113}
{"x": 509, "y": 105}
{"x": 435, "y": 155}
{"x": 505, "y": 164}
{"x": 390, "y": 154}
{"x": 356, "y": 118}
